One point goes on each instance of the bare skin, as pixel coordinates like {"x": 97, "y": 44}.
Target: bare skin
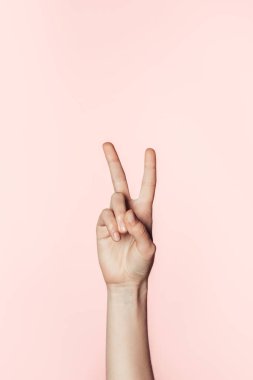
{"x": 126, "y": 254}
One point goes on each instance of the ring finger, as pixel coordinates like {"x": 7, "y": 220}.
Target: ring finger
{"x": 107, "y": 219}
{"x": 118, "y": 205}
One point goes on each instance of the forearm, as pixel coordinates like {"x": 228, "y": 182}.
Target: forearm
{"x": 127, "y": 346}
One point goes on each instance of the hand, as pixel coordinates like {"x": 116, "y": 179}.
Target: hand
{"x": 126, "y": 250}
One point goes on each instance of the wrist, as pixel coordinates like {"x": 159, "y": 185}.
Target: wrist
{"x": 128, "y": 292}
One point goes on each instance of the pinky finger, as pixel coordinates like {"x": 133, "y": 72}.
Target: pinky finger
{"x": 107, "y": 219}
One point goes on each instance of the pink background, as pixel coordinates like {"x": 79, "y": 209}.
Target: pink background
{"x": 173, "y": 75}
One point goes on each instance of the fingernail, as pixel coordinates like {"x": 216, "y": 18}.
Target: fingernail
{"x": 122, "y": 226}
{"x": 116, "y": 236}
{"x": 131, "y": 217}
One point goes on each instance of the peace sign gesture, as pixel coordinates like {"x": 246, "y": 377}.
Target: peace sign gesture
{"x": 124, "y": 230}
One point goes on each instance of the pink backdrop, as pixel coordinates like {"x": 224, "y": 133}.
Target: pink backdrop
{"x": 173, "y": 75}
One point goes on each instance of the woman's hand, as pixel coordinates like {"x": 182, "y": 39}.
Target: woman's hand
{"x": 125, "y": 245}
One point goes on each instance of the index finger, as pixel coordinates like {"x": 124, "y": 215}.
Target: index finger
{"x": 117, "y": 172}
{"x": 148, "y": 185}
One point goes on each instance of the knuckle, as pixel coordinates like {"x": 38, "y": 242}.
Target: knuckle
{"x": 140, "y": 228}
{"x": 153, "y": 246}
{"x": 118, "y": 201}
{"x": 106, "y": 211}
{"x": 151, "y": 250}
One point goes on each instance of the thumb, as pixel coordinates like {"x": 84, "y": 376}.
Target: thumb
{"x": 138, "y": 230}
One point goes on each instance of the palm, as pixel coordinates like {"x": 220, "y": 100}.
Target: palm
{"x": 122, "y": 261}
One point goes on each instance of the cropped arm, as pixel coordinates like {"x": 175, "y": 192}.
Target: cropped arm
{"x": 127, "y": 346}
